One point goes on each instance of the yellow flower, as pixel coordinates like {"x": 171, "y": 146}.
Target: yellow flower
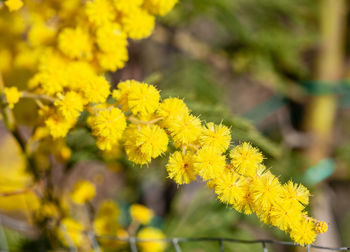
{"x": 75, "y": 43}
{"x": 266, "y": 191}
{"x": 111, "y": 38}
{"x": 321, "y": 227}
{"x": 40, "y": 34}
{"x": 108, "y": 125}
{"x": 151, "y": 233}
{"x": 185, "y": 130}
{"x": 126, "y": 6}
{"x": 143, "y": 99}
{"x": 171, "y": 109}
{"x": 71, "y": 231}
{"x": 209, "y": 163}
{"x": 135, "y": 155}
{"x": 83, "y": 191}
{"x": 48, "y": 210}
{"x": 113, "y": 61}
{"x": 52, "y": 75}
{"x": 145, "y": 142}
{"x": 12, "y": 96}
{"x": 59, "y": 126}
{"x": 216, "y": 136}
{"x": 99, "y": 12}
{"x": 122, "y": 92}
{"x": 297, "y": 192}
{"x": 244, "y": 202}
{"x": 152, "y": 140}
{"x": 96, "y": 89}
{"x": 286, "y": 214}
{"x": 138, "y": 24}
{"x": 303, "y": 233}
{"x": 14, "y": 5}
{"x": 159, "y": 7}
{"x": 246, "y": 159}
{"x": 139, "y": 98}
{"x": 180, "y": 168}
{"x": 141, "y": 214}
{"x": 106, "y": 222}
{"x": 109, "y": 209}
{"x": 228, "y": 187}
{"x": 70, "y": 105}
{"x": 105, "y": 226}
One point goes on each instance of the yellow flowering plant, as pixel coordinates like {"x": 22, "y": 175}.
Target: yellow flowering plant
{"x": 69, "y": 48}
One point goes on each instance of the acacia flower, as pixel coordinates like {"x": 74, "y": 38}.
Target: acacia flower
{"x": 246, "y": 159}
{"x": 141, "y": 213}
{"x": 151, "y": 233}
{"x": 216, "y": 136}
{"x": 14, "y": 5}
{"x": 83, "y": 191}
{"x": 12, "y": 96}
{"x": 180, "y": 168}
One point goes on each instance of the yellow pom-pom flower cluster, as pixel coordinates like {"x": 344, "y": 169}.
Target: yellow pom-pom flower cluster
{"x": 83, "y": 191}
{"x": 12, "y": 96}
{"x": 14, "y": 5}
{"x": 141, "y": 214}
{"x": 70, "y": 50}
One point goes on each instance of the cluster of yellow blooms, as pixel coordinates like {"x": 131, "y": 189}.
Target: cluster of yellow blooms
{"x": 106, "y": 223}
{"x": 72, "y": 49}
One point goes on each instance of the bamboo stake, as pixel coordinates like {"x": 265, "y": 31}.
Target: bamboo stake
{"x": 321, "y": 110}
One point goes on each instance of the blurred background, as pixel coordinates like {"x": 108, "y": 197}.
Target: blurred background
{"x": 275, "y": 71}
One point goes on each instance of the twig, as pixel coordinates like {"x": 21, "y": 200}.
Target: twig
{"x": 26, "y": 94}
{"x": 17, "y": 192}
{"x": 138, "y": 121}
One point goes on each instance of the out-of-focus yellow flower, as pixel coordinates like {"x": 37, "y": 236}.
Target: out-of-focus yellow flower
{"x": 14, "y": 5}
{"x": 70, "y": 105}
{"x": 59, "y": 126}
{"x": 113, "y": 60}
{"x": 65, "y": 153}
{"x": 151, "y": 233}
{"x": 71, "y": 231}
{"x": 48, "y": 210}
{"x": 141, "y": 214}
{"x": 12, "y": 96}
{"x": 126, "y": 6}
{"x": 99, "y": 12}
{"x": 159, "y": 7}
{"x": 138, "y": 24}
{"x": 104, "y": 226}
{"x": 41, "y": 34}
{"x": 83, "y": 191}
{"x": 108, "y": 209}
{"x": 75, "y": 43}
